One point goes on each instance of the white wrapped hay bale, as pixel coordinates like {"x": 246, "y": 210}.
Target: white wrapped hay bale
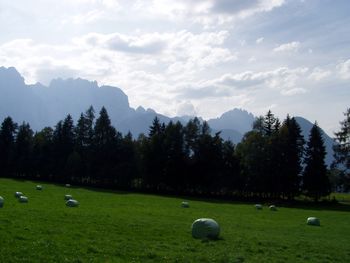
{"x": 68, "y": 197}
{"x": 313, "y": 221}
{"x": 18, "y": 194}
{"x": 68, "y": 185}
{"x": 1, "y": 201}
{"x": 72, "y": 203}
{"x": 23, "y": 199}
{"x": 205, "y": 228}
{"x": 185, "y": 204}
{"x": 273, "y": 208}
{"x": 258, "y": 206}
{"x": 39, "y": 187}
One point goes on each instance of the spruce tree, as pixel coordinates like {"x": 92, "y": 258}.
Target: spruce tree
{"x": 315, "y": 180}
{"x": 7, "y": 140}
{"x": 342, "y": 151}
{"x": 105, "y": 149}
{"x": 23, "y": 155}
{"x": 291, "y": 152}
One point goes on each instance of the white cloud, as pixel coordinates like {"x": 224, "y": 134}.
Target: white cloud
{"x": 185, "y": 108}
{"x": 343, "y": 69}
{"x": 209, "y": 12}
{"x": 283, "y": 79}
{"x": 288, "y": 47}
{"x": 259, "y": 40}
{"x": 319, "y": 74}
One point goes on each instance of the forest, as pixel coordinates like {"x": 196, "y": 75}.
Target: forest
{"x": 273, "y": 161}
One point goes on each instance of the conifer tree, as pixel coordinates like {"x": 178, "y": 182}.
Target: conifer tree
{"x": 315, "y": 180}
{"x": 23, "y": 150}
{"x": 7, "y": 140}
{"x": 342, "y": 151}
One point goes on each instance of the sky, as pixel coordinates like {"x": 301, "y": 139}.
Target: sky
{"x": 191, "y": 57}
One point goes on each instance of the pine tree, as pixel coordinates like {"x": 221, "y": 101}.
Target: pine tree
{"x": 342, "y": 151}
{"x": 63, "y": 146}
{"x": 105, "y": 148}
{"x": 315, "y": 180}
{"x": 154, "y": 157}
{"x": 7, "y": 140}
{"x": 43, "y": 157}
{"x": 269, "y": 123}
{"x": 291, "y": 152}
{"x": 23, "y": 150}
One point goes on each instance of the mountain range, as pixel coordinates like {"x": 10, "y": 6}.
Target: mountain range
{"x": 45, "y": 105}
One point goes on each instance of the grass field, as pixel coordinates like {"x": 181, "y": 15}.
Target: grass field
{"x": 122, "y": 227}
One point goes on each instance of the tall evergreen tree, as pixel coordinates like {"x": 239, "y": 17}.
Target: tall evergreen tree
{"x": 154, "y": 157}
{"x": 105, "y": 148}
{"x": 269, "y": 123}
{"x": 23, "y": 152}
{"x": 315, "y": 180}
{"x": 63, "y": 146}
{"x": 292, "y": 151}
{"x": 84, "y": 135}
{"x": 43, "y": 157}
{"x": 251, "y": 152}
{"x": 175, "y": 163}
{"x": 7, "y": 140}
{"x": 342, "y": 151}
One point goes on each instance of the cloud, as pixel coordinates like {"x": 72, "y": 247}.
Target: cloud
{"x": 288, "y": 47}
{"x": 343, "y": 69}
{"x": 210, "y": 12}
{"x": 185, "y": 108}
{"x": 85, "y": 18}
{"x": 283, "y": 79}
{"x": 259, "y": 40}
{"x": 319, "y": 74}
{"x": 244, "y": 7}
{"x": 47, "y": 72}
{"x": 202, "y": 92}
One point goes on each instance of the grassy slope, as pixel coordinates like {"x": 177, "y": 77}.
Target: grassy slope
{"x": 121, "y": 227}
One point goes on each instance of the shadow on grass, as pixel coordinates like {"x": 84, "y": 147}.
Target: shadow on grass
{"x": 330, "y": 205}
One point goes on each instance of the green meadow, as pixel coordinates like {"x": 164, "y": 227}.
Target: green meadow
{"x": 127, "y": 227}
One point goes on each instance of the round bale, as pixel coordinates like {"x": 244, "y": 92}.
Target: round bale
{"x": 39, "y": 187}
{"x": 1, "y": 201}
{"x": 67, "y": 185}
{"x": 258, "y": 206}
{"x": 18, "y": 194}
{"x": 273, "y": 208}
{"x": 72, "y": 203}
{"x": 68, "y": 197}
{"x": 23, "y": 199}
{"x": 313, "y": 221}
{"x": 185, "y": 204}
{"x": 205, "y": 228}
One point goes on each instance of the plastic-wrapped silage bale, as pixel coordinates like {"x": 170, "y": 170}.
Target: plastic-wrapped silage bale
{"x": 258, "y": 206}
{"x": 185, "y": 204}
{"x": 205, "y": 228}
{"x": 18, "y": 194}
{"x": 1, "y": 201}
{"x": 273, "y": 208}
{"x": 72, "y": 203}
{"x": 39, "y": 187}
{"x": 23, "y": 199}
{"x": 313, "y": 221}
{"x": 68, "y": 197}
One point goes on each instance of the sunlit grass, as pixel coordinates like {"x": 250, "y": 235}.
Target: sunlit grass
{"x": 128, "y": 227}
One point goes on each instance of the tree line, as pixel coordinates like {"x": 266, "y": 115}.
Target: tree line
{"x": 272, "y": 161}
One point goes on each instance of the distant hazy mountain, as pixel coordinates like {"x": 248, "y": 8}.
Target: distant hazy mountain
{"x": 44, "y": 106}
{"x": 239, "y": 120}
